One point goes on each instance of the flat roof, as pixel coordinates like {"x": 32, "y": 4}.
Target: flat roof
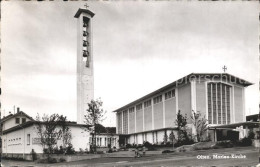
{"x": 235, "y": 125}
{"x": 185, "y": 80}
{"x": 168, "y": 128}
{"x": 30, "y": 123}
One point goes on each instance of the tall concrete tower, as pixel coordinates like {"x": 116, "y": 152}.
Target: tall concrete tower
{"x": 85, "y": 75}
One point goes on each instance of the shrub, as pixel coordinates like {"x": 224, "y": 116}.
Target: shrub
{"x": 169, "y": 143}
{"x": 56, "y": 150}
{"x": 110, "y": 150}
{"x": 100, "y": 152}
{"x": 128, "y": 146}
{"x": 251, "y": 134}
{"x": 62, "y": 160}
{"x": 224, "y": 144}
{"x": 166, "y": 151}
{"x": 70, "y": 149}
{"x": 246, "y": 141}
{"x": 45, "y": 151}
{"x": 53, "y": 160}
{"x": 149, "y": 146}
{"x": 61, "y": 150}
{"x": 187, "y": 141}
{"x": 81, "y": 151}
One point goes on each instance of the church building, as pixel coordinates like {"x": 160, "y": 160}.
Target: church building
{"x": 219, "y": 97}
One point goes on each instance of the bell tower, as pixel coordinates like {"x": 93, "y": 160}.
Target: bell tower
{"x": 85, "y": 75}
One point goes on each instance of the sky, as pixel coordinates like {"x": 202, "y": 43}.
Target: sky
{"x": 138, "y": 47}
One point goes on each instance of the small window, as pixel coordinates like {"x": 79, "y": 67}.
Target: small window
{"x": 157, "y": 99}
{"x": 170, "y": 94}
{"x": 131, "y": 109}
{"x": 23, "y": 120}
{"x": 17, "y": 120}
{"x": 139, "y": 106}
{"x": 147, "y": 103}
{"x": 28, "y": 139}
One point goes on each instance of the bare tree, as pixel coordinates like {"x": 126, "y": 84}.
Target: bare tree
{"x": 66, "y": 134}
{"x": 200, "y": 124}
{"x": 95, "y": 115}
{"x": 50, "y": 129}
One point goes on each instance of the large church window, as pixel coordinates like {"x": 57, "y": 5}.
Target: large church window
{"x": 218, "y": 103}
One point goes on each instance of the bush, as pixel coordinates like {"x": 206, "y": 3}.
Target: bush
{"x": 187, "y": 141}
{"x": 62, "y": 160}
{"x": 251, "y": 134}
{"x": 70, "y": 149}
{"x": 100, "y": 152}
{"x": 110, "y": 150}
{"x": 128, "y": 146}
{"x": 52, "y": 160}
{"x": 169, "y": 144}
{"x": 56, "y": 150}
{"x": 45, "y": 151}
{"x": 246, "y": 141}
{"x": 149, "y": 146}
{"x": 224, "y": 144}
{"x": 166, "y": 151}
{"x": 81, "y": 151}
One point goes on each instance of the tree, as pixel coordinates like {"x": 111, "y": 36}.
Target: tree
{"x": 165, "y": 137}
{"x": 95, "y": 115}
{"x": 181, "y": 123}
{"x": 50, "y": 129}
{"x": 66, "y": 134}
{"x": 171, "y": 137}
{"x": 200, "y": 125}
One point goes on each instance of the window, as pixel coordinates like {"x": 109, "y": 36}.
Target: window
{"x": 218, "y": 103}
{"x": 17, "y": 120}
{"x": 157, "y": 99}
{"x": 125, "y": 122}
{"x": 28, "y": 139}
{"x": 131, "y": 110}
{"x": 23, "y": 120}
{"x": 170, "y": 94}
{"x": 139, "y": 106}
{"x": 147, "y": 103}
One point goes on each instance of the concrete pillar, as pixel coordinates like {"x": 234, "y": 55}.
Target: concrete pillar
{"x": 215, "y": 135}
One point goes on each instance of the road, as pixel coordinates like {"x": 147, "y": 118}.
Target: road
{"x": 241, "y": 157}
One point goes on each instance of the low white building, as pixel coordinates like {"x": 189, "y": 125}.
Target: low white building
{"x": 19, "y": 135}
{"x": 106, "y": 136}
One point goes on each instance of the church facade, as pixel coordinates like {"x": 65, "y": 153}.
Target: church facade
{"x": 219, "y": 97}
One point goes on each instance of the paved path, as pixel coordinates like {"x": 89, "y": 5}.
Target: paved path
{"x": 173, "y": 159}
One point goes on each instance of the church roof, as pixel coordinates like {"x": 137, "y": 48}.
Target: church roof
{"x": 225, "y": 77}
